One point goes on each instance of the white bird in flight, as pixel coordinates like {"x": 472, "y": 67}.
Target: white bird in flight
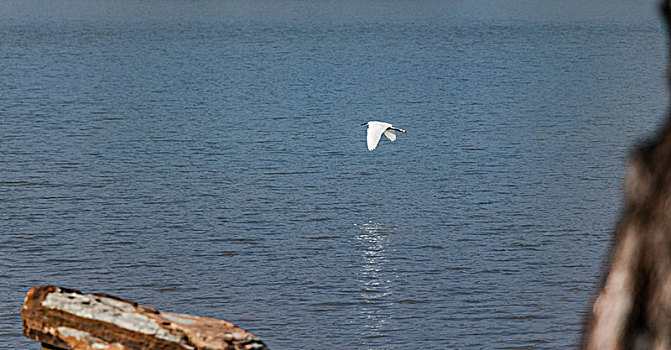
{"x": 375, "y": 131}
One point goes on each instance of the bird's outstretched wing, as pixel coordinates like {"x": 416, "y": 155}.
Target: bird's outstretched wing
{"x": 373, "y": 135}
{"x": 390, "y": 135}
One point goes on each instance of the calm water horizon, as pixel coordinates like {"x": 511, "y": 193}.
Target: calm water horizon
{"x": 207, "y": 158}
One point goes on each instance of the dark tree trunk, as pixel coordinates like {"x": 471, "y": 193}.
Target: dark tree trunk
{"x": 633, "y": 308}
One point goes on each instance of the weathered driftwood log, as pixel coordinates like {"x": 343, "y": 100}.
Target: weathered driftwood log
{"x": 63, "y": 318}
{"x": 633, "y": 308}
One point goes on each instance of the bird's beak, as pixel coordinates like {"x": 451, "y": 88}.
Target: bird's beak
{"x": 364, "y": 124}
{"x": 401, "y": 130}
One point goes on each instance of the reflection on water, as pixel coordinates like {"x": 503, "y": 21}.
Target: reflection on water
{"x": 376, "y": 284}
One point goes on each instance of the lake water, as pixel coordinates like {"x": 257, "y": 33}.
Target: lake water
{"x": 208, "y": 158}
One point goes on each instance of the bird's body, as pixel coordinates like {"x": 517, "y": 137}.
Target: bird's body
{"x": 375, "y": 131}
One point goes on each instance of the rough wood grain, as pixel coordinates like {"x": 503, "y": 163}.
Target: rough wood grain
{"x": 633, "y": 307}
{"x": 64, "y": 318}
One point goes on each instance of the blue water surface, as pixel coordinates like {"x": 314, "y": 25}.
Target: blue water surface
{"x": 207, "y": 158}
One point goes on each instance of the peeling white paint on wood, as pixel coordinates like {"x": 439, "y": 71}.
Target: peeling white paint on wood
{"x": 93, "y": 308}
{"x": 96, "y": 343}
{"x": 75, "y": 333}
{"x": 123, "y": 305}
{"x": 57, "y": 316}
{"x": 183, "y": 319}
